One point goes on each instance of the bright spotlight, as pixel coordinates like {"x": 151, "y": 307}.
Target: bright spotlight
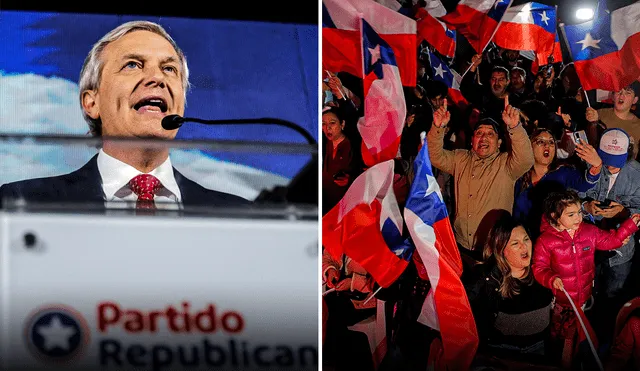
{"x": 584, "y": 14}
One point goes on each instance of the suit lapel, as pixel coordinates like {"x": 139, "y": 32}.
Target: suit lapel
{"x": 84, "y": 184}
{"x": 189, "y": 191}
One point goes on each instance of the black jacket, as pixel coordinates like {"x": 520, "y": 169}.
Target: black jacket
{"x": 83, "y": 186}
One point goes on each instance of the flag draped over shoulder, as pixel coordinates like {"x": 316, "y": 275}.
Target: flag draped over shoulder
{"x": 446, "y": 307}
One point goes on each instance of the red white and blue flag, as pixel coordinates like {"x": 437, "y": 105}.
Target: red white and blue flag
{"x": 446, "y": 307}
{"x": 341, "y": 38}
{"x": 442, "y": 72}
{"x": 542, "y": 59}
{"x": 436, "y": 33}
{"x": 366, "y": 225}
{"x": 606, "y": 50}
{"x": 530, "y": 26}
{"x": 477, "y": 20}
{"x": 384, "y": 104}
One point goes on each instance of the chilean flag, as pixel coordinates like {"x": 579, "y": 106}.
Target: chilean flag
{"x": 530, "y": 26}
{"x": 384, "y": 104}
{"x": 606, "y": 50}
{"x": 441, "y": 72}
{"x": 542, "y": 59}
{"x": 341, "y": 38}
{"x": 436, "y": 33}
{"x": 477, "y": 20}
{"x": 366, "y": 225}
{"x": 446, "y": 307}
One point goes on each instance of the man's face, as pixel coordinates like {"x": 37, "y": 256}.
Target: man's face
{"x": 512, "y": 55}
{"x": 141, "y": 83}
{"x": 517, "y": 80}
{"x": 537, "y": 83}
{"x": 499, "y": 82}
{"x": 437, "y": 102}
{"x": 485, "y": 141}
{"x": 624, "y": 99}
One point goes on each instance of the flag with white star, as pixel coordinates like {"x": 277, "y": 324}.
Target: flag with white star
{"x": 442, "y": 72}
{"x": 366, "y": 225}
{"x": 436, "y": 32}
{"x": 446, "y": 307}
{"x": 384, "y": 104}
{"x": 606, "y": 50}
{"x": 341, "y": 36}
{"x": 530, "y": 26}
{"x": 477, "y": 20}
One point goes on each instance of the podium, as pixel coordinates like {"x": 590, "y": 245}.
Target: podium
{"x": 214, "y": 289}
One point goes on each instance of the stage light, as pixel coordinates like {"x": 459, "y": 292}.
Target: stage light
{"x": 584, "y": 14}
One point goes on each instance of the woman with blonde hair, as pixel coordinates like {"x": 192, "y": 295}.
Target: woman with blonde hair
{"x": 512, "y": 310}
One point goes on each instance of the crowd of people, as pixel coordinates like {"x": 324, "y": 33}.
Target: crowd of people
{"x": 542, "y": 185}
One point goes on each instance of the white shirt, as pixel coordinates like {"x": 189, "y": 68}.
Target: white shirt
{"x": 612, "y": 181}
{"x": 115, "y": 177}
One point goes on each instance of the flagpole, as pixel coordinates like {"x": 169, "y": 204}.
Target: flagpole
{"x": 584, "y": 328}
{"x": 492, "y": 35}
{"x": 566, "y": 44}
{"x": 372, "y": 296}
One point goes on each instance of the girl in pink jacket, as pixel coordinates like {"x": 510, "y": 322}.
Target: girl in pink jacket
{"x": 563, "y": 257}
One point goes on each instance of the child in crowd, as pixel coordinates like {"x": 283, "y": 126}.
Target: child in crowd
{"x": 563, "y": 260}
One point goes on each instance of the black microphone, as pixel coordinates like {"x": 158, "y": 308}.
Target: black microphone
{"x": 173, "y": 122}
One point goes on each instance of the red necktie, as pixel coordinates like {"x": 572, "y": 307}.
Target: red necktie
{"x": 145, "y": 187}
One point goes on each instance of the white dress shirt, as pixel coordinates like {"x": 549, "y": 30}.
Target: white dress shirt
{"x": 115, "y": 177}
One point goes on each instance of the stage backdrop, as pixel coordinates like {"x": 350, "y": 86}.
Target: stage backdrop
{"x": 239, "y": 69}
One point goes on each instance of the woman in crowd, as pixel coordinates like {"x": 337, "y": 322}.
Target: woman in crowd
{"x": 337, "y": 169}
{"x": 548, "y": 175}
{"x": 511, "y": 310}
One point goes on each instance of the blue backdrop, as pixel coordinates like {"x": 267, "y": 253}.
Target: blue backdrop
{"x": 239, "y": 69}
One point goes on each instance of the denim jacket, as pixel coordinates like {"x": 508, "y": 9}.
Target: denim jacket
{"x": 625, "y": 191}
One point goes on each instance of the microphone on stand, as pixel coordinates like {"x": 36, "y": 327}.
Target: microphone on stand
{"x": 304, "y": 186}
{"x": 173, "y": 122}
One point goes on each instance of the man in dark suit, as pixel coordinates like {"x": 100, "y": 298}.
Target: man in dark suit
{"x": 132, "y": 78}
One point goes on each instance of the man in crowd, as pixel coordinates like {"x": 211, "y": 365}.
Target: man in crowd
{"x": 484, "y": 177}
{"x": 620, "y": 115}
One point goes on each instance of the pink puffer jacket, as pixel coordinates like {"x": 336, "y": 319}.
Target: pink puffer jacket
{"x": 556, "y": 254}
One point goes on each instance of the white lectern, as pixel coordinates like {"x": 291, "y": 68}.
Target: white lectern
{"x": 105, "y": 292}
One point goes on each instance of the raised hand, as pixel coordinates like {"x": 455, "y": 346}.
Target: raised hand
{"x": 566, "y": 118}
{"x": 510, "y": 115}
{"x": 476, "y": 60}
{"x": 335, "y": 85}
{"x": 592, "y": 115}
{"x": 588, "y": 154}
{"x": 441, "y": 116}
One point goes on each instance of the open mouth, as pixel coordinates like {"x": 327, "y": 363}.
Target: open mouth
{"x": 546, "y": 153}
{"x": 524, "y": 255}
{"x": 151, "y": 104}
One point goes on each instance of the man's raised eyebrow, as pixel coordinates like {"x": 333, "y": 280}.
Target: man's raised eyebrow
{"x": 171, "y": 59}
{"x": 133, "y": 56}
